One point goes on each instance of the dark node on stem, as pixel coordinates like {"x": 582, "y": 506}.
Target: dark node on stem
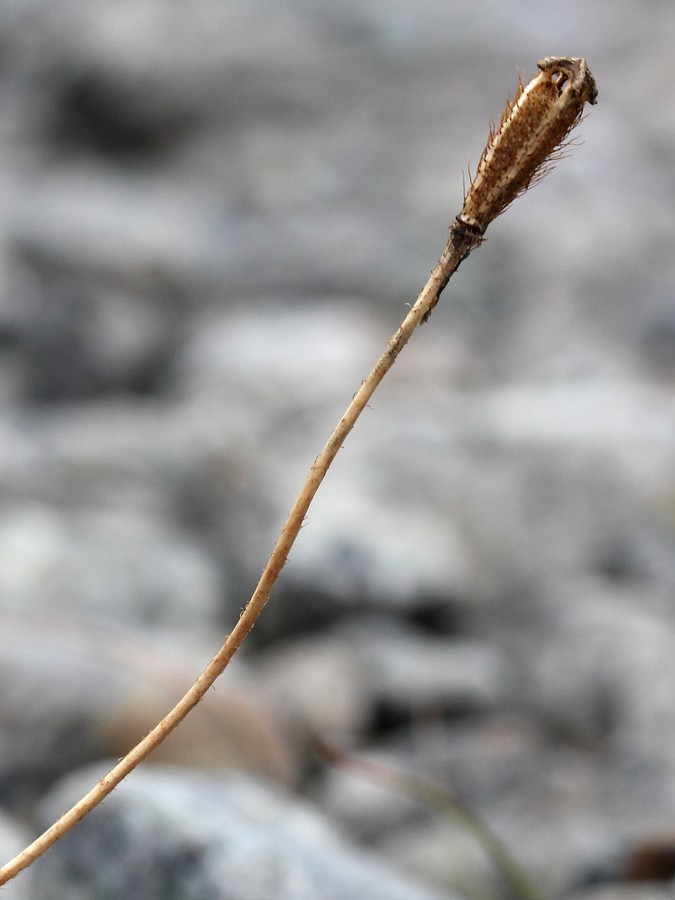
{"x": 465, "y": 234}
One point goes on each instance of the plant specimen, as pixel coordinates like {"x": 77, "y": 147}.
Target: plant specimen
{"x": 532, "y": 134}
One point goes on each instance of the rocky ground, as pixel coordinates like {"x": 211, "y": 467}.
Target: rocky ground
{"x": 213, "y": 216}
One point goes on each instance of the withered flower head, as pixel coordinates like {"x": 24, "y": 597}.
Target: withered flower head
{"x": 530, "y": 137}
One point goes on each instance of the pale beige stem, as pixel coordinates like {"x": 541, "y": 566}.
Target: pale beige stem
{"x": 448, "y": 263}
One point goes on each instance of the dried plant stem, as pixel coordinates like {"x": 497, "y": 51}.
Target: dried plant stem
{"x": 448, "y": 263}
{"x": 519, "y": 151}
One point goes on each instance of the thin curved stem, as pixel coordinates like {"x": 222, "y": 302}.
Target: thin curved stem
{"x": 448, "y": 263}
{"x": 530, "y": 134}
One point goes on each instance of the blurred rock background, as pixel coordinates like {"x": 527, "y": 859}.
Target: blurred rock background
{"x": 213, "y": 216}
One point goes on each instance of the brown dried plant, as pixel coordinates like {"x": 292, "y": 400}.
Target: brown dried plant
{"x": 531, "y": 137}
{"x": 531, "y": 134}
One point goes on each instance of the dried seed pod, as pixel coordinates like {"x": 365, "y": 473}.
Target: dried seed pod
{"x": 530, "y": 137}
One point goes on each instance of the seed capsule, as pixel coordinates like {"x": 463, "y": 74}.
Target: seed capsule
{"x": 530, "y": 137}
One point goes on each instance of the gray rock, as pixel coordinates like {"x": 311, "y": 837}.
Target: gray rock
{"x": 367, "y": 806}
{"x": 447, "y": 852}
{"x": 319, "y": 688}
{"x": 112, "y": 566}
{"x": 602, "y": 671}
{"x": 167, "y": 833}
